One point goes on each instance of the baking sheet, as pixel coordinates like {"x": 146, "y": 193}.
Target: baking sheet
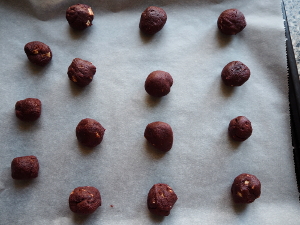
{"x": 294, "y": 95}
{"x": 203, "y": 161}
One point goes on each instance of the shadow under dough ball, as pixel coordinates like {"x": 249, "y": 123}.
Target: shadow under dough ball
{"x": 240, "y": 128}
{"x": 152, "y": 20}
{"x": 38, "y": 53}
{"x": 89, "y": 132}
{"x": 245, "y": 188}
{"x": 158, "y": 83}
{"x": 231, "y": 21}
{"x": 84, "y": 200}
{"x": 25, "y": 167}
{"x": 28, "y": 109}
{"x": 235, "y": 73}
{"x": 81, "y": 72}
{"x": 161, "y": 199}
{"x": 160, "y": 135}
{"x": 80, "y": 16}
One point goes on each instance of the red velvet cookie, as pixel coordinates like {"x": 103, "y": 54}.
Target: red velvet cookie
{"x": 84, "y": 200}
{"x": 38, "y": 53}
{"x": 245, "y": 188}
{"x": 160, "y": 135}
{"x": 231, "y": 21}
{"x": 25, "y": 167}
{"x": 235, "y": 73}
{"x": 158, "y": 83}
{"x": 28, "y": 109}
{"x": 161, "y": 199}
{"x": 89, "y": 132}
{"x": 80, "y": 16}
{"x": 152, "y": 20}
{"x": 240, "y": 128}
{"x": 81, "y": 72}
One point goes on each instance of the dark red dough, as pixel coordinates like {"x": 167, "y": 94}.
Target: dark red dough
{"x": 152, "y": 20}
{"x": 81, "y": 72}
{"x": 38, "y": 53}
{"x": 84, "y": 200}
{"x": 25, "y": 167}
{"x": 161, "y": 199}
{"x": 158, "y": 83}
{"x": 231, "y": 21}
{"x": 240, "y": 128}
{"x": 28, "y": 109}
{"x": 89, "y": 132}
{"x": 235, "y": 73}
{"x": 80, "y": 16}
{"x": 245, "y": 188}
{"x": 160, "y": 135}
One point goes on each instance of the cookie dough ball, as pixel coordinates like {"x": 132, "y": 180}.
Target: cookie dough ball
{"x": 81, "y": 72}
{"x": 28, "y": 109}
{"x": 38, "y": 53}
{"x": 89, "y": 132}
{"x": 235, "y": 73}
{"x": 158, "y": 83}
{"x": 161, "y": 199}
{"x": 245, "y": 188}
{"x": 25, "y": 167}
{"x": 231, "y": 21}
{"x": 240, "y": 128}
{"x": 160, "y": 135}
{"x": 152, "y": 20}
{"x": 80, "y": 16}
{"x": 84, "y": 200}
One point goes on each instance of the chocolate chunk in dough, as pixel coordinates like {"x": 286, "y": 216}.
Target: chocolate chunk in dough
{"x": 38, "y": 53}
{"x": 231, "y": 21}
{"x": 79, "y": 16}
{"x": 25, "y": 167}
{"x": 161, "y": 199}
{"x": 84, "y": 200}
{"x": 81, "y": 72}
{"x": 28, "y": 109}
{"x": 240, "y": 128}
{"x": 160, "y": 135}
{"x": 245, "y": 188}
{"x": 152, "y": 20}
{"x": 158, "y": 83}
{"x": 235, "y": 73}
{"x": 89, "y": 132}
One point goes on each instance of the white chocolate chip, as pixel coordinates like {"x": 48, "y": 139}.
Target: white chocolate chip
{"x": 247, "y": 182}
{"x": 90, "y": 11}
{"x": 240, "y": 194}
{"x": 88, "y": 23}
{"x": 74, "y": 79}
{"x": 48, "y": 54}
{"x": 169, "y": 189}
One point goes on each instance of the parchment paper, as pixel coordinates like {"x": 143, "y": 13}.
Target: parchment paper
{"x": 203, "y": 162}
